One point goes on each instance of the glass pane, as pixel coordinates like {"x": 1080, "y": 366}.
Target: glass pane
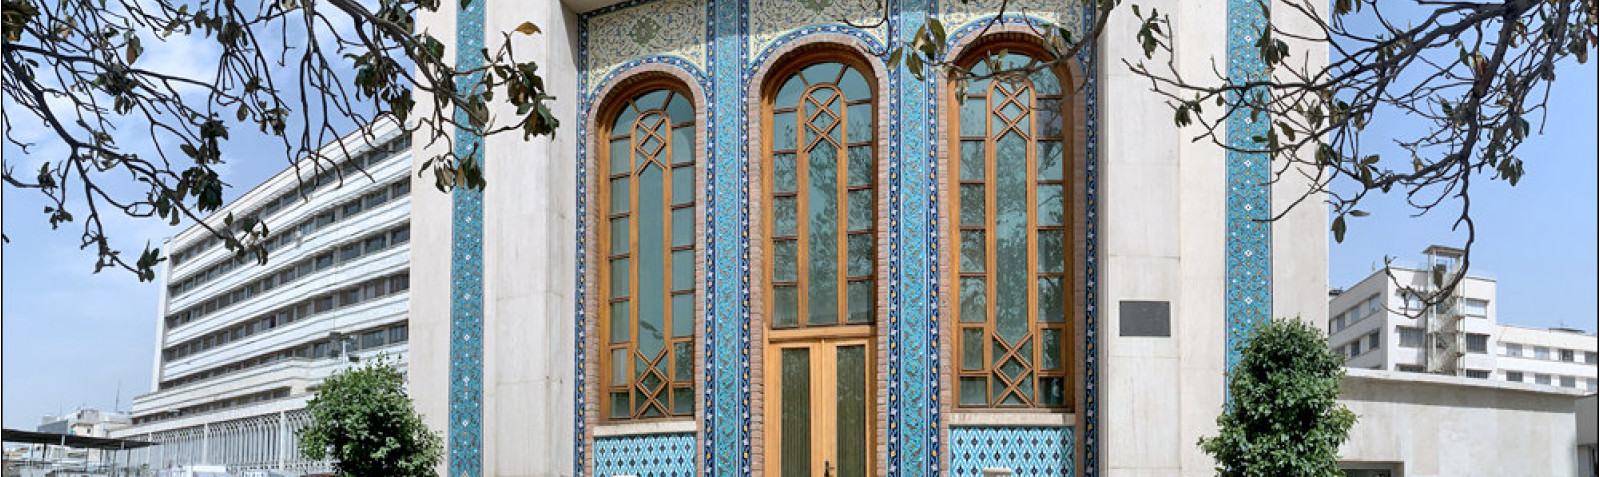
{"x": 683, "y": 363}
{"x": 682, "y": 148}
{"x": 619, "y": 156}
{"x": 851, "y": 413}
{"x": 1011, "y": 238}
{"x": 785, "y": 261}
{"x": 620, "y": 323}
{"x": 972, "y": 349}
{"x": 784, "y": 217}
{"x": 619, "y": 236}
{"x": 619, "y": 278}
{"x": 1045, "y": 81}
{"x": 653, "y": 100}
{"x": 794, "y": 417}
{"x": 974, "y": 300}
{"x": 972, "y": 161}
{"x": 624, "y": 120}
{"x": 1048, "y": 113}
{"x": 652, "y": 263}
{"x": 854, "y": 85}
{"x": 973, "y": 256}
{"x": 679, "y": 110}
{"x": 861, "y": 165}
{"x": 619, "y": 405}
{"x": 619, "y": 195}
{"x": 973, "y": 113}
{"x": 785, "y": 307}
{"x": 682, "y": 269}
{"x": 973, "y": 390}
{"x": 1052, "y": 391}
{"x": 1050, "y": 356}
{"x": 1050, "y": 160}
{"x": 860, "y": 209}
{"x": 1052, "y": 309}
{"x": 783, "y": 173}
{"x": 683, "y": 184}
{"x": 822, "y": 72}
{"x": 860, "y": 121}
{"x": 822, "y": 244}
{"x": 972, "y": 204}
{"x": 683, "y": 315}
{"x": 860, "y": 255}
{"x": 861, "y": 301}
{"x": 1049, "y": 199}
{"x": 1050, "y": 251}
{"x": 619, "y": 367}
{"x": 783, "y": 131}
{"x": 683, "y": 400}
{"x": 789, "y": 94}
{"x": 1027, "y": 388}
{"x": 683, "y": 226}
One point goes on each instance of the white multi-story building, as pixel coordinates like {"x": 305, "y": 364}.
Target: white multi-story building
{"x": 1379, "y": 325}
{"x": 241, "y": 346}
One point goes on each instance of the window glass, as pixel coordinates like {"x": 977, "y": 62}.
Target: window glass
{"x": 1541, "y": 379}
{"x": 1475, "y": 307}
{"x": 1513, "y": 350}
{"x": 1540, "y": 352}
{"x": 1477, "y": 343}
{"x": 1514, "y": 376}
{"x": 1010, "y": 226}
{"x": 1478, "y": 374}
{"x": 1372, "y": 341}
{"x": 649, "y": 216}
{"x": 1410, "y": 337}
{"x": 1569, "y": 381}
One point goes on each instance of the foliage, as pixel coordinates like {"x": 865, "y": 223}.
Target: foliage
{"x": 1474, "y": 75}
{"x": 297, "y": 72}
{"x": 1284, "y": 419}
{"x": 362, "y": 418}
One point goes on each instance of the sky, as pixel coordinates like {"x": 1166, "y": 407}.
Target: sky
{"x": 72, "y": 338}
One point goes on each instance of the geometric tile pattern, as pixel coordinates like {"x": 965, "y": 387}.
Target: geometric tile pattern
{"x": 466, "y": 271}
{"x": 1249, "y": 200}
{"x": 912, "y": 433}
{"x": 617, "y": 35}
{"x": 727, "y": 393}
{"x": 658, "y": 455}
{"x": 1026, "y": 451}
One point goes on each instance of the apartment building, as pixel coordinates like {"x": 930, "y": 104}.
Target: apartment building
{"x": 1378, "y": 324}
{"x": 241, "y": 346}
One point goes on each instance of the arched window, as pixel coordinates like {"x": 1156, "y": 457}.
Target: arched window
{"x": 822, "y": 214}
{"x": 647, "y": 238}
{"x": 1010, "y": 256}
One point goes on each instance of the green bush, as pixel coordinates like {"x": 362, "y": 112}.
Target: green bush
{"x": 1283, "y": 419}
{"x": 362, "y": 418}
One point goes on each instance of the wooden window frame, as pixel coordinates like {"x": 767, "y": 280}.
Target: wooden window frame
{"x": 620, "y": 100}
{"x": 769, "y": 110}
{"x": 1068, "y": 228}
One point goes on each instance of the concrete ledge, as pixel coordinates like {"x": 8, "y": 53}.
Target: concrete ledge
{"x": 1373, "y": 375}
{"x": 648, "y": 427}
{"x": 1010, "y": 419}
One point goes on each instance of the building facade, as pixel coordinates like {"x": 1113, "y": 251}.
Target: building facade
{"x": 1379, "y": 324}
{"x": 241, "y": 345}
{"x": 755, "y": 246}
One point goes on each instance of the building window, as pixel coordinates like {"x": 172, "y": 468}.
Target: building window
{"x": 1477, "y": 343}
{"x": 1478, "y": 374}
{"x": 1590, "y": 357}
{"x": 1569, "y": 381}
{"x": 1411, "y": 302}
{"x": 647, "y": 242}
{"x": 1514, "y": 350}
{"x": 1540, "y": 352}
{"x": 1476, "y": 307}
{"x": 1566, "y": 355}
{"x": 1010, "y": 239}
{"x": 1410, "y": 337}
{"x": 1408, "y": 368}
{"x": 1372, "y": 341}
{"x": 1589, "y": 384}
{"x": 1373, "y": 306}
{"x": 1514, "y": 376}
{"x": 1541, "y": 379}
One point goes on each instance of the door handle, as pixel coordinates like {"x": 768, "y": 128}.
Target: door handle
{"x": 827, "y": 468}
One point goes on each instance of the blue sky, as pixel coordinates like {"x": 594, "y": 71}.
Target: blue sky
{"x": 73, "y": 338}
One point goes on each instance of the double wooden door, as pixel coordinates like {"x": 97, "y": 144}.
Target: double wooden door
{"x": 820, "y": 405}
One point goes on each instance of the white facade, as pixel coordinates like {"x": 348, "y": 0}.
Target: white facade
{"x": 1374, "y": 325}
{"x": 241, "y": 346}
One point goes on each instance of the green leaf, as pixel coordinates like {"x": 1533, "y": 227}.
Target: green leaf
{"x": 1338, "y": 229}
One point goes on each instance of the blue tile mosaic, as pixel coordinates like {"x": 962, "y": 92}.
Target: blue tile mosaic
{"x": 1026, "y": 451}
{"x": 653, "y": 455}
{"x": 466, "y": 271}
{"x": 1249, "y": 200}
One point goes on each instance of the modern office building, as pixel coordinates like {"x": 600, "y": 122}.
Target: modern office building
{"x": 1380, "y": 323}
{"x": 241, "y": 345}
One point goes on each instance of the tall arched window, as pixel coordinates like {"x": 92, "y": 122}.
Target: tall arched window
{"x": 648, "y": 198}
{"x": 820, "y": 199}
{"x": 1013, "y": 335}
